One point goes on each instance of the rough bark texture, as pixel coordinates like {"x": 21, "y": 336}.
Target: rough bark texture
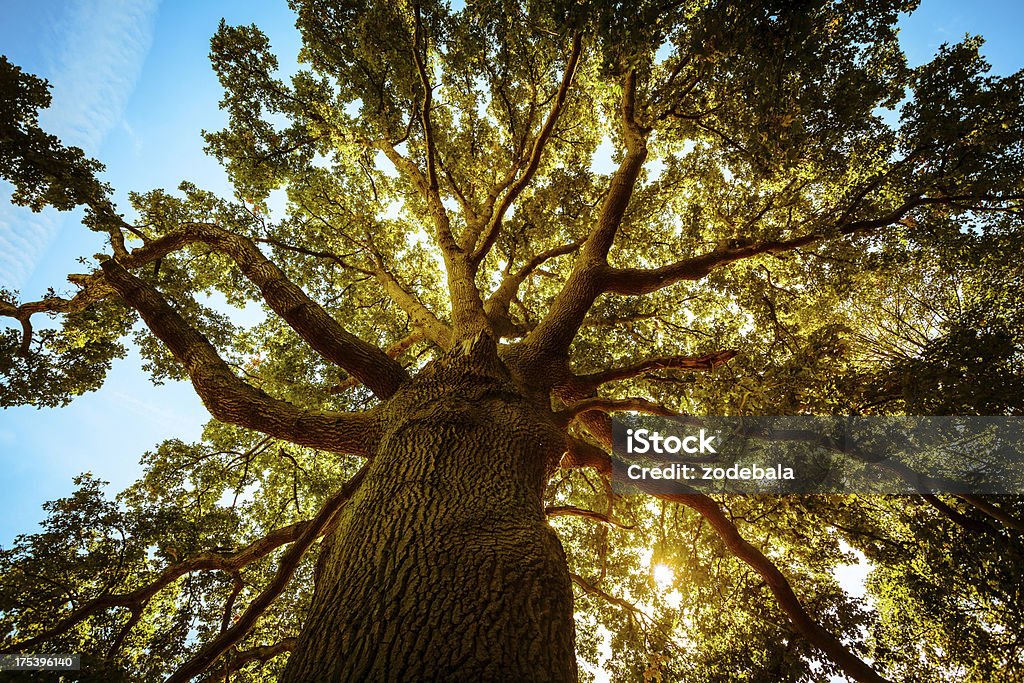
{"x": 442, "y": 567}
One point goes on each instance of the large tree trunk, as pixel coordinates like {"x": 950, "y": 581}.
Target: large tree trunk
{"x": 442, "y": 567}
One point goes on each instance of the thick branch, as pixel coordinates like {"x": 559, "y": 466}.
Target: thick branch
{"x": 624, "y": 181}
{"x": 454, "y": 257}
{"x": 422, "y": 318}
{"x": 371, "y": 365}
{"x": 499, "y": 301}
{"x": 592, "y": 276}
{"x": 468, "y": 316}
{"x": 394, "y": 351}
{"x": 419, "y": 51}
{"x": 580, "y": 453}
{"x": 972, "y": 525}
{"x": 228, "y": 398}
{"x": 554, "y": 334}
{"x": 994, "y": 512}
{"x": 22, "y": 314}
{"x": 382, "y": 375}
{"x": 639, "y": 281}
{"x": 692, "y": 363}
{"x": 261, "y": 653}
{"x": 573, "y": 511}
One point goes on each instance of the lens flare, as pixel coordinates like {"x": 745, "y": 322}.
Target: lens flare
{"x": 663, "y": 576}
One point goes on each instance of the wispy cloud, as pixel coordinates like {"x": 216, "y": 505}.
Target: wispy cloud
{"x": 95, "y": 62}
{"x": 21, "y": 233}
{"x": 162, "y": 413}
{"x": 97, "y": 65}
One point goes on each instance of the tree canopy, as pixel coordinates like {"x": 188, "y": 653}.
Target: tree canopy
{"x": 795, "y": 221}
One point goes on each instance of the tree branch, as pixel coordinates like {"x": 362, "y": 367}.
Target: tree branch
{"x": 693, "y": 363}
{"x": 908, "y": 475}
{"x": 122, "y": 635}
{"x": 993, "y": 511}
{"x": 556, "y": 331}
{"x": 422, "y": 318}
{"x": 493, "y": 227}
{"x": 580, "y": 453}
{"x": 137, "y": 598}
{"x": 223, "y": 642}
{"x": 468, "y": 316}
{"x": 419, "y": 43}
{"x": 92, "y": 288}
{"x": 630, "y": 608}
{"x": 229, "y": 604}
{"x": 498, "y": 303}
{"x": 228, "y": 398}
{"x": 573, "y": 511}
{"x": 22, "y": 314}
{"x": 261, "y": 654}
{"x": 607, "y": 597}
{"x": 339, "y": 259}
{"x": 639, "y": 281}
{"x": 91, "y": 292}
{"x": 394, "y": 351}
{"x": 972, "y": 525}
{"x": 802, "y": 622}
{"x": 321, "y": 331}
{"x": 382, "y": 375}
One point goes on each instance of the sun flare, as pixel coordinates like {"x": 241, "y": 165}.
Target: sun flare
{"x": 663, "y": 576}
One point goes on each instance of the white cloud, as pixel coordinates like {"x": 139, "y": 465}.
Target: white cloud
{"x": 96, "y": 66}
{"x": 157, "y": 412}
{"x": 21, "y": 234}
{"x": 95, "y": 62}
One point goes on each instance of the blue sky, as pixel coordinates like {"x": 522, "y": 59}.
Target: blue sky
{"x": 133, "y": 87}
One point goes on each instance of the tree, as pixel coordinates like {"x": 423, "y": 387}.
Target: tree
{"x": 407, "y": 472}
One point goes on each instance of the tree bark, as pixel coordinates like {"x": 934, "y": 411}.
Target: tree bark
{"x": 442, "y": 566}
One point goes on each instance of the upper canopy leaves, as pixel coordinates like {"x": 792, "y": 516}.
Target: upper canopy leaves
{"x": 602, "y": 186}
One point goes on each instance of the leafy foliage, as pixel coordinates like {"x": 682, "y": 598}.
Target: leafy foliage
{"x": 847, "y": 224}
